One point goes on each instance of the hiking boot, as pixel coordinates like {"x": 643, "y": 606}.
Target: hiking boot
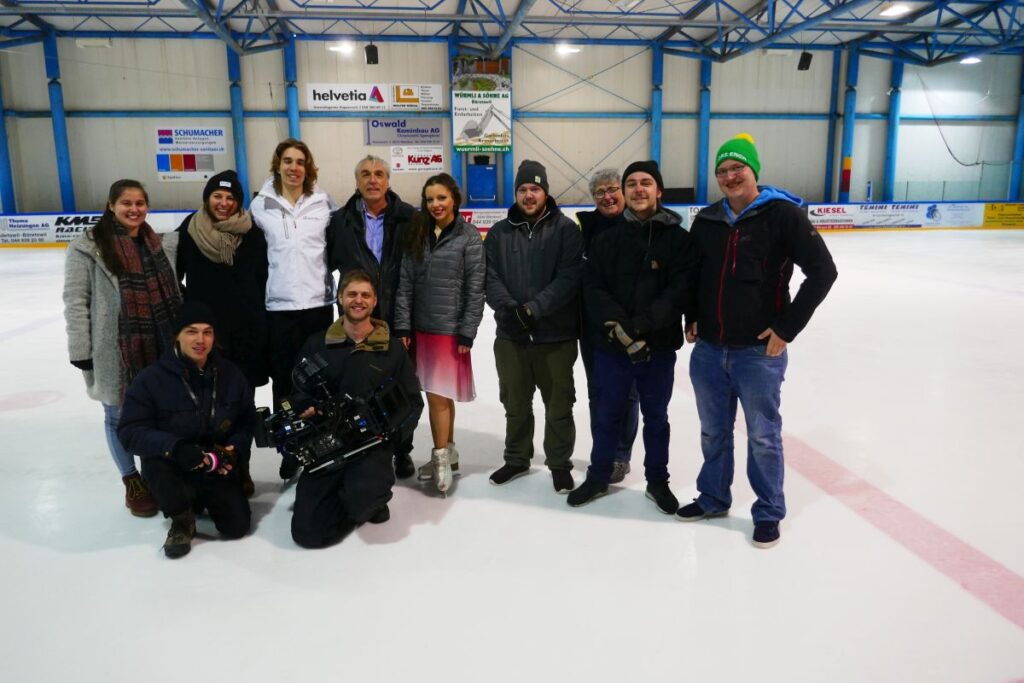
{"x": 248, "y": 487}
{"x": 589, "y": 490}
{"x": 404, "y": 468}
{"x": 180, "y": 535}
{"x": 507, "y": 473}
{"x": 693, "y": 512}
{"x": 620, "y": 468}
{"x": 380, "y": 516}
{"x": 562, "y": 479}
{"x": 137, "y": 497}
{"x": 766, "y": 534}
{"x": 442, "y": 467}
{"x": 662, "y": 495}
{"x": 426, "y": 470}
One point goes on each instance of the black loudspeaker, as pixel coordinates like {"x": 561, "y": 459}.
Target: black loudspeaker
{"x": 371, "y": 53}
{"x": 805, "y": 61}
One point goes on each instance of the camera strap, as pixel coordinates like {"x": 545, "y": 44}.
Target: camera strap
{"x": 192, "y": 395}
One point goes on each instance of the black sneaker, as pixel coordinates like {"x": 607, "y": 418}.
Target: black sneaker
{"x": 289, "y": 467}
{"x": 766, "y": 534}
{"x": 693, "y": 512}
{"x": 403, "y": 466}
{"x": 507, "y": 473}
{"x": 662, "y": 495}
{"x": 562, "y": 479}
{"x": 380, "y": 516}
{"x": 589, "y": 490}
{"x": 180, "y": 535}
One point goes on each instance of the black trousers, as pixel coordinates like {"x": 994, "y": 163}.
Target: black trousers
{"x": 176, "y": 491}
{"x": 329, "y": 505}
{"x": 288, "y": 331}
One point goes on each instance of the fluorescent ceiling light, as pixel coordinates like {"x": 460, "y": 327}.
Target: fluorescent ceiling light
{"x": 566, "y": 49}
{"x": 894, "y": 9}
{"x": 93, "y": 42}
{"x": 626, "y": 5}
{"x": 971, "y": 60}
{"x": 345, "y": 47}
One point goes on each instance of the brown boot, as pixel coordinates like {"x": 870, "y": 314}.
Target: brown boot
{"x": 180, "y": 535}
{"x": 137, "y": 498}
{"x": 248, "y": 488}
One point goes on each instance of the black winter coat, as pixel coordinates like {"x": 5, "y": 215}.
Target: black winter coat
{"x": 640, "y": 274}
{"x": 745, "y": 268}
{"x": 539, "y": 265}
{"x": 593, "y": 223}
{"x": 159, "y": 410}
{"x": 236, "y": 295}
{"x": 347, "y": 249}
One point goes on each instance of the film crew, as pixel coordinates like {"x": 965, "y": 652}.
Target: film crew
{"x": 293, "y": 213}
{"x": 438, "y": 309}
{"x": 120, "y": 298}
{"x": 360, "y": 357}
{"x": 364, "y": 235}
{"x": 222, "y": 262}
{"x": 742, "y": 321}
{"x": 533, "y": 282}
{"x": 609, "y": 204}
{"x": 190, "y": 417}
{"x": 636, "y": 287}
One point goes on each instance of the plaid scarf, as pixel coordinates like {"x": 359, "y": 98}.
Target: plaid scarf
{"x": 149, "y": 301}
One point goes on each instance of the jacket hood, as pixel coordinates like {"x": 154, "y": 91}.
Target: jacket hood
{"x": 379, "y": 339}
{"x": 515, "y": 215}
{"x": 721, "y": 211}
{"x": 663, "y": 217}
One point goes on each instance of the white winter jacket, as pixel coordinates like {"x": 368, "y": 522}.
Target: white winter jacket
{"x": 296, "y": 248}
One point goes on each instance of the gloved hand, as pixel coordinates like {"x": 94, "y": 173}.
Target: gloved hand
{"x": 222, "y": 460}
{"x": 83, "y": 364}
{"x": 525, "y": 318}
{"x": 636, "y": 349}
{"x": 188, "y": 455}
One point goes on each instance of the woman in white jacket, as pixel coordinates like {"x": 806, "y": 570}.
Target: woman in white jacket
{"x": 293, "y": 214}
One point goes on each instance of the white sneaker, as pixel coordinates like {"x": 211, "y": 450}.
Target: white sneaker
{"x": 441, "y": 463}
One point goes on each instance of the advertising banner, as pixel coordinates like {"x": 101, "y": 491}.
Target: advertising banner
{"x": 417, "y": 97}
{"x": 1004, "y": 216}
{"x": 60, "y": 228}
{"x": 924, "y": 215}
{"x": 483, "y": 219}
{"x": 417, "y": 158}
{"x": 185, "y": 153}
{"x": 374, "y": 97}
{"x": 481, "y": 104}
{"x": 403, "y": 131}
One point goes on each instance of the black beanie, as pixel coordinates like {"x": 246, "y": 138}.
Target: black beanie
{"x": 532, "y": 172}
{"x": 650, "y": 167}
{"x": 192, "y": 312}
{"x": 225, "y": 180}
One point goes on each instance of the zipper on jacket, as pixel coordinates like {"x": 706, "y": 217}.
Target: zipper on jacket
{"x": 778, "y": 288}
{"x": 735, "y": 248}
{"x": 729, "y": 242}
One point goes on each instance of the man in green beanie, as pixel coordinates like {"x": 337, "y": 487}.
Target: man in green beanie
{"x": 742, "y": 319}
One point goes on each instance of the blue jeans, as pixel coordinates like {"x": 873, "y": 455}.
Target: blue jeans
{"x": 614, "y": 374}
{"x": 631, "y": 416}
{"x": 720, "y": 376}
{"x": 124, "y": 460}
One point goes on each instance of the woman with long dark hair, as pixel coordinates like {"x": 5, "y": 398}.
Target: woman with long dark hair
{"x": 120, "y": 299}
{"x": 222, "y": 262}
{"x": 438, "y": 309}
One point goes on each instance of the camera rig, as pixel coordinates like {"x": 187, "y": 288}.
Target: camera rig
{"x": 342, "y": 426}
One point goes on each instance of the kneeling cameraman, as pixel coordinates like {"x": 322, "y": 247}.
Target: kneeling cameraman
{"x": 190, "y": 417}
{"x": 360, "y": 357}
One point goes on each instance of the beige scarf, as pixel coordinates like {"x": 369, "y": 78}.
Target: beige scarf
{"x": 218, "y": 241}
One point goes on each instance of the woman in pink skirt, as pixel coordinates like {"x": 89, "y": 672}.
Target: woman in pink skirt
{"x": 438, "y": 309}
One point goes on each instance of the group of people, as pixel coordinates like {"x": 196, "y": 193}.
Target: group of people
{"x": 174, "y": 334}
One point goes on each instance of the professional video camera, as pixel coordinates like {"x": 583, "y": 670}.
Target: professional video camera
{"x": 342, "y": 426}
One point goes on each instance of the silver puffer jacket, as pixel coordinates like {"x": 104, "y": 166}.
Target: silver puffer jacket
{"x": 444, "y": 293}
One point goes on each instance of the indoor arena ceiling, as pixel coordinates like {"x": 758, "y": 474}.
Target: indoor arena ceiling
{"x": 924, "y": 33}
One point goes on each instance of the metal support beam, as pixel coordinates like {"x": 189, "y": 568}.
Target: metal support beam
{"x": 510, "y": 29}
{"x": 291, "y": 90}
{"x": 60, "y": 127}
{"x": 849, "y": 121}
{"x": 703, "y": 131}
{"x": 457, "y": 158}
{"x": 833, "y": 117}
{"x": 1015, "y": 192}
{"x": 508, "y": 170}
{"x": 8, "y": 204}
{"x": 20, "y": 42}
{"x": 657, "y": 78}
{"x": 198, "y": 9}
{"x": 892, "y": 133}
{"x": 238, "y": 122}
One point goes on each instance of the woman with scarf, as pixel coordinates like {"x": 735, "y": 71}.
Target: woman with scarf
{"x": 120, "y": 299}
{"x": 222, "y": 262}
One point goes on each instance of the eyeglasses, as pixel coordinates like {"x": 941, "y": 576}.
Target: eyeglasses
{"x": 731, "y": 171}
{"x": 601, "y": 194}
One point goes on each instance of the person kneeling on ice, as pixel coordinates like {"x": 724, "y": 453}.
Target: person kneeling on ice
{"x": 359, "y": 356}
{"x": 190, "y": 417}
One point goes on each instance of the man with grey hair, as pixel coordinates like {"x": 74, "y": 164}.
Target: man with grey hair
{"x": 364, "y": 235}
{"x": 609, "y": 203}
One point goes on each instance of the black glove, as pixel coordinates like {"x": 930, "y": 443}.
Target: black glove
{"x": 525, "y": 319}
{"x": 221, "y": 458}
{"x": 188, "y": 455}
{"x": 636, "y": 349}
{"x": 83, "y": 364}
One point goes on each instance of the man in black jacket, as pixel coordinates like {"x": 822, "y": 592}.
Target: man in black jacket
{"x": 533, "y": 281}
{"x": 636, "y": 285}
{"x": 365, "y": 234}
{"x": 361, "y": 357}
{"x": 190, "y": 416}
{"x": 742, "y": 321}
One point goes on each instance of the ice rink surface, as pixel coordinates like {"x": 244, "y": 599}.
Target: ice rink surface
{"x": 901, "y": 558}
